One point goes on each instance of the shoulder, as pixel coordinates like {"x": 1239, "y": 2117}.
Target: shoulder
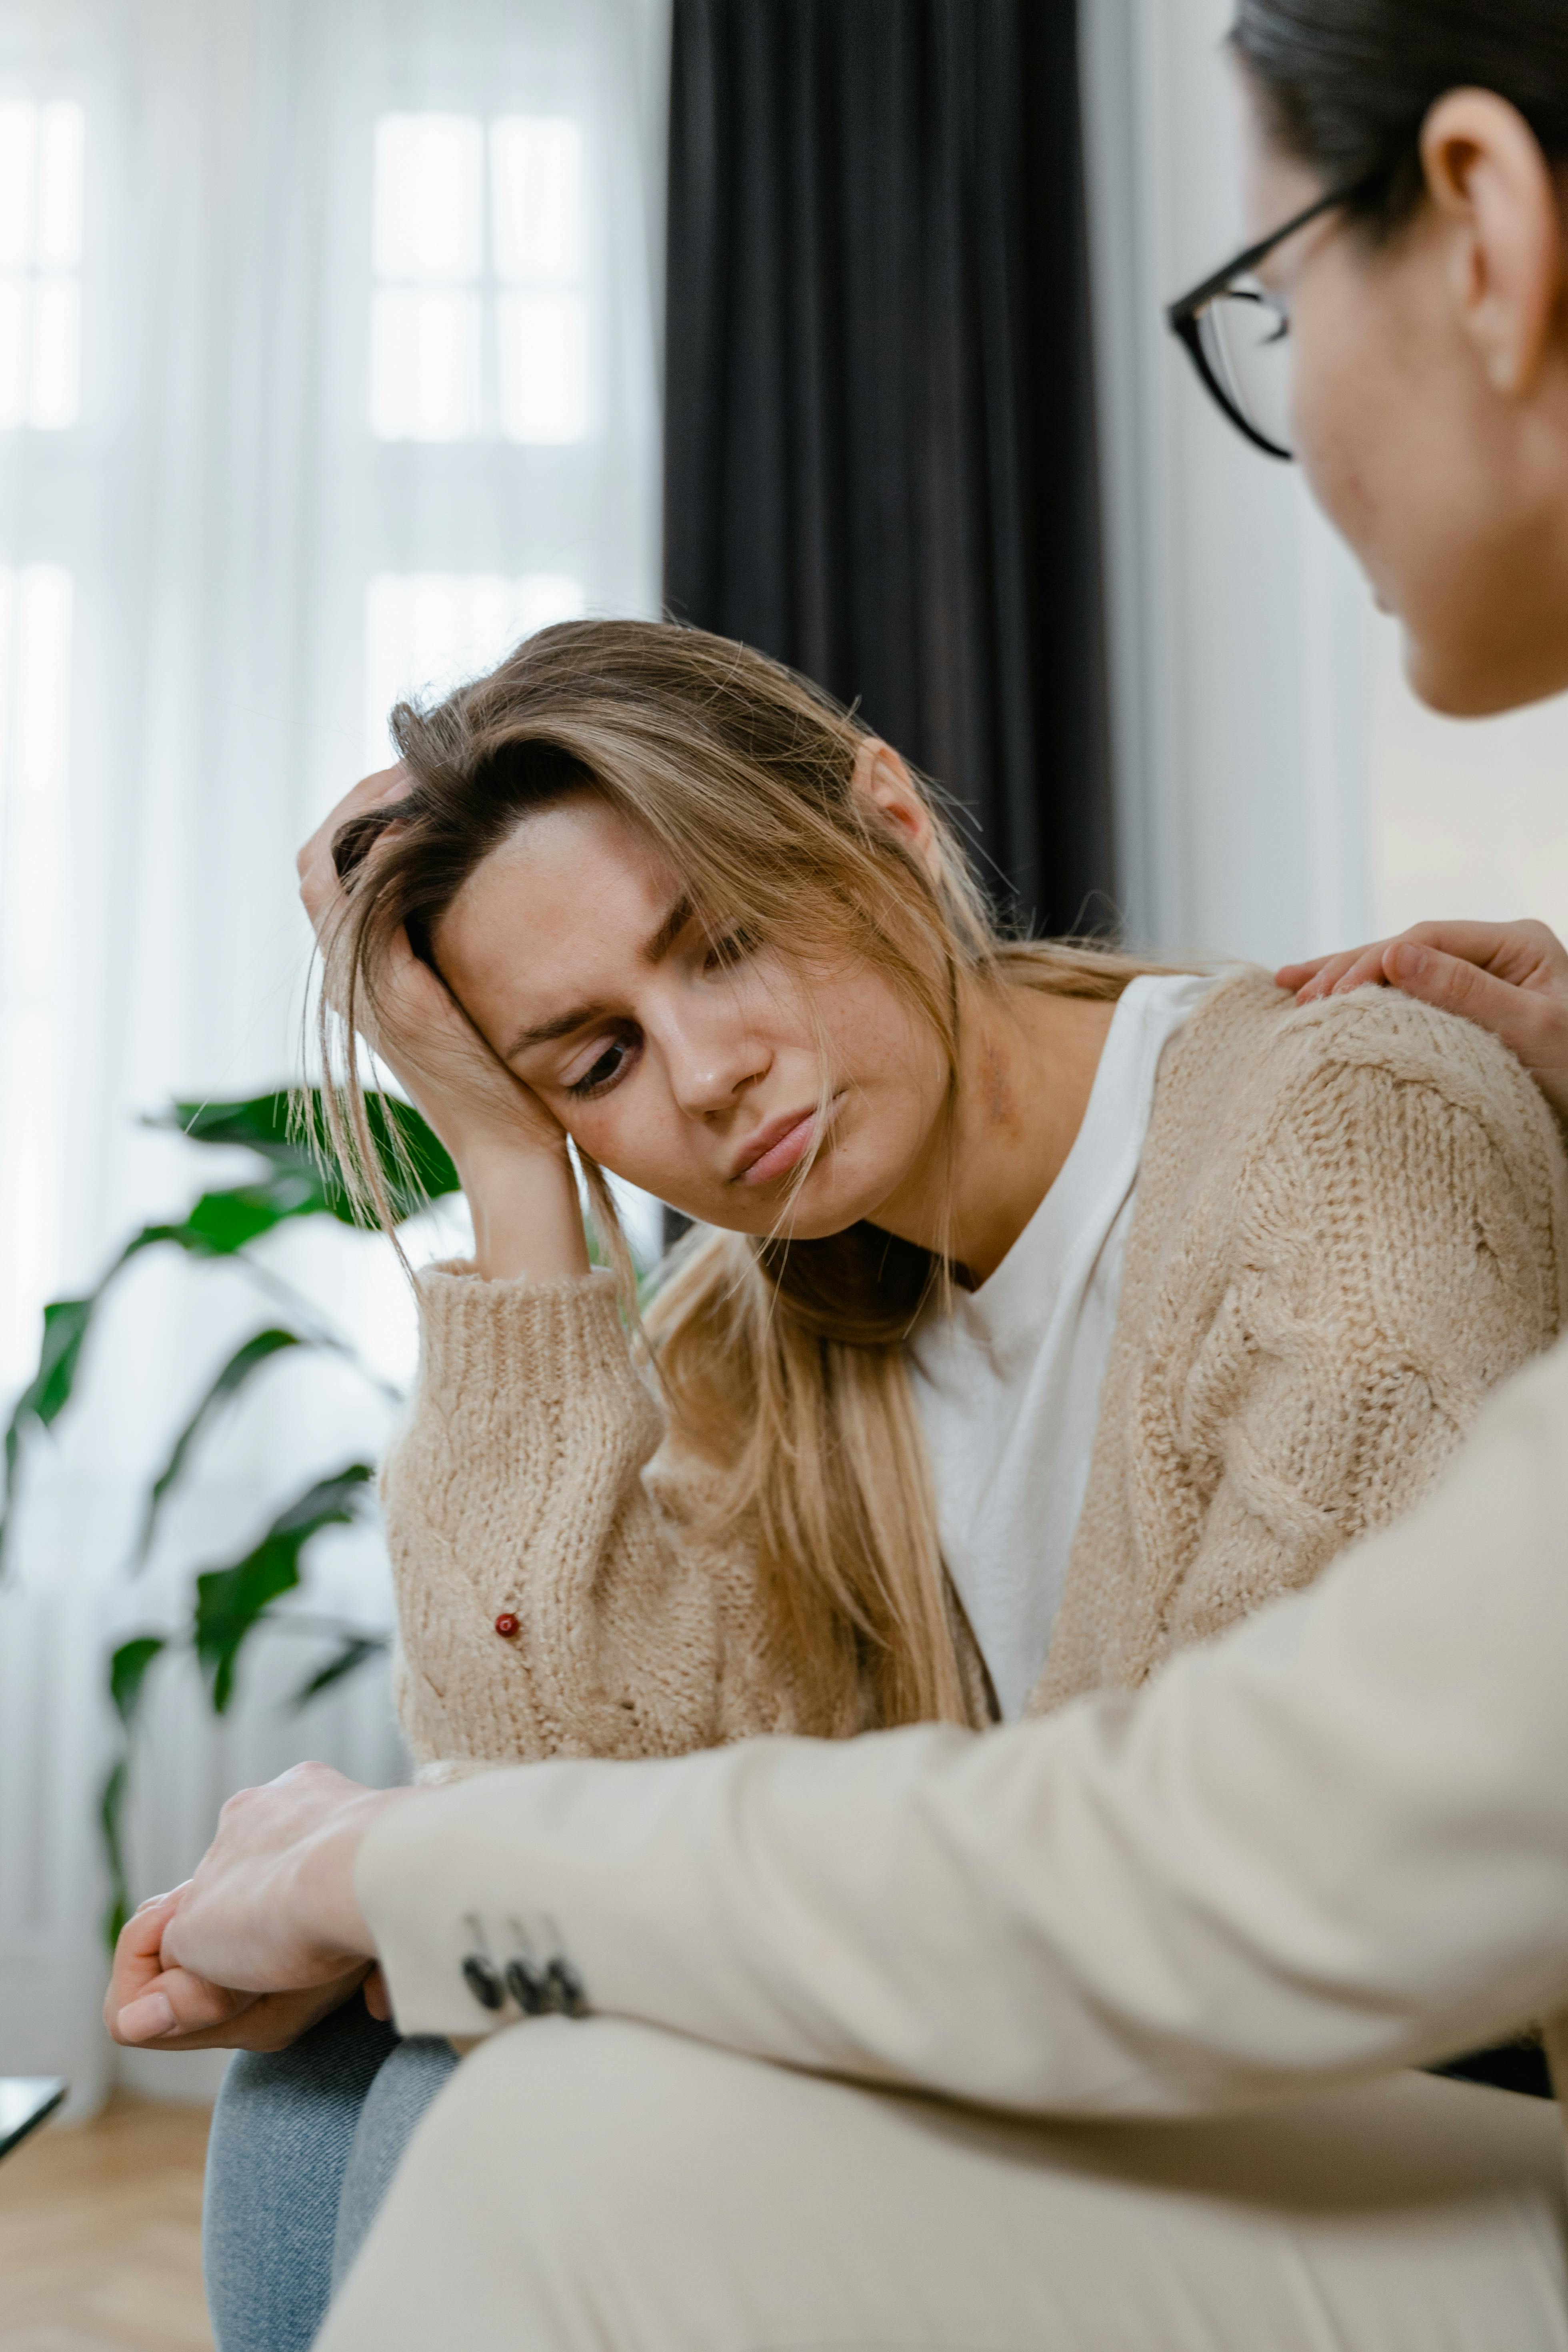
{"x": 1273, "y": 1055}
{"x": 1363, "y": 1114}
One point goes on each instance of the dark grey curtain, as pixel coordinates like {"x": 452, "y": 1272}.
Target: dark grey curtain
{"x": 879, "y": 439}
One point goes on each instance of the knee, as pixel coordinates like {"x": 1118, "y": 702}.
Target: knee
{"x": 567, "y": 2139}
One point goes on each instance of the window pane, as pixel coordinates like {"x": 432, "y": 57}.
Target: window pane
{"x": 428, "y": 196}
{"x": 56, "y": 334}
{"x": 424, "y": 366}
{"x": 35, "y": 658}
{"x": 19, "y": 180}
{"x": 15, "y": 310}
{"x": 60, "y": 186}
{"x": 428, "y": 631}
{"x": 542, "y": 340}
{"x": 542, "y": 598}
{"x": 537, "y": 166}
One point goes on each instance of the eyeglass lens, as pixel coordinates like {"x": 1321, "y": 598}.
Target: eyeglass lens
{"x": 1247, "y": 348}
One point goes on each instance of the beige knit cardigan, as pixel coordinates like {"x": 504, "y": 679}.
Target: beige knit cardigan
{"x": 1351, "y": 1223}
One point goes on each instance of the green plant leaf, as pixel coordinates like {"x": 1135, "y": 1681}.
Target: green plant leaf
{"x": 66, "y": 1322}
{"x": 333, "y": 1502}
{"x": 224, "y": 1222}
{"x": 290, "y": 1130}
{"x": 355, "y": 1653}
{"x": 232, "y": 1602}
{"x": 110, "y": 1807}
{"x": 128, "y": 1673}
{"x": 257, "y": 1351}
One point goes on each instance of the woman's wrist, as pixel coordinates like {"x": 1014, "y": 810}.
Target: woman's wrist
{"x": 324, "y": 1898}
{"x": 527, "y": 1217}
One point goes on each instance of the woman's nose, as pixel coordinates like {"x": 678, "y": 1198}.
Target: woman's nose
{"x": 712, "y": 1061}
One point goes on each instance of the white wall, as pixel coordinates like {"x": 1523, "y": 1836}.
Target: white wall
{"x": 1239, "y": 677}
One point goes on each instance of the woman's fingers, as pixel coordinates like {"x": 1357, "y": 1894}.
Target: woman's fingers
{"x": 137, "y": 1965}
{"x": 377, "y": 1999}
{"x": 1531, "y": 1020}
{"x": 147, "y": 2001}
{"x": 319, "y": 885}
{"x": 185, "y": 2012}
{"x": 1527, "y": 954}
{"x": 179, "y": 2011}
{"x": 1510, "y": 978}
{"x": 1332, "y": 974}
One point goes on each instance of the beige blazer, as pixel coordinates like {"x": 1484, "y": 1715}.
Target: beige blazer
{"x": 1331, "y": 1843}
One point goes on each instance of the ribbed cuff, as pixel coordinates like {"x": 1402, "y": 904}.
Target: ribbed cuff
{"x": 520, "y": 1339}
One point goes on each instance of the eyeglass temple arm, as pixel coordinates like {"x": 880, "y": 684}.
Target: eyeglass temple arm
{"x": 1178, "y": 312}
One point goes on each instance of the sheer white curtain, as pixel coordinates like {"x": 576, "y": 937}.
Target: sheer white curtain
{"x": 327, "y": 365}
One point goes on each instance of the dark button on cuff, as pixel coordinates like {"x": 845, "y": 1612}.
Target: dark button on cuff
{"x": 528, "y": 1988}
{"x": 506, "y": 1624}
{"x": 566, "y": 1988}
{"x": 482, "y": 1981}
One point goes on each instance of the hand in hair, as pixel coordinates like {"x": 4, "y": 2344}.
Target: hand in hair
{"x": 508, "y": 1149}
{"x": 1510, "y": 978}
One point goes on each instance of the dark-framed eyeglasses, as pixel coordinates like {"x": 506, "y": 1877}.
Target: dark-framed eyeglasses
{"x": 1237, "y": 335}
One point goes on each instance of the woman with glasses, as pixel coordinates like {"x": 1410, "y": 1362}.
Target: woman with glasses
{"x": 1078, "y": 2032}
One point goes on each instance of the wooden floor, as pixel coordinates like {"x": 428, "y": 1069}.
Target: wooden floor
{"x": 100, "y": 2235}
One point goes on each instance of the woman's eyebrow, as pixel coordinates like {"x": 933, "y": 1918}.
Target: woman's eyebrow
{"x": 654, "y": 952}
{"x": 548, "y": 1031}
{"x": 669, "y": 930}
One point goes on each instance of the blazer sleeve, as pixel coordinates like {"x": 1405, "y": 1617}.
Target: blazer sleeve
{"x": 549, "y": 1601}
{"x": 1333, "y": 1841}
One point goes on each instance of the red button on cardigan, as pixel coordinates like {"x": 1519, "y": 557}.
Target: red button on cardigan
{"x": 506, "y": 1624}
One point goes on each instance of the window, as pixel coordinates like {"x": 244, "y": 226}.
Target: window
{"x": 40, "y": 254}
{"x": 479, "y": 311}
{"x": 35, "y": 676}
{"x": 431, "y": 629}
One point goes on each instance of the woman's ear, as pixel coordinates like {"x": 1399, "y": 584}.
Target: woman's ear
{"x": 1490, "y": 183}
{"x": 881, "y": 777}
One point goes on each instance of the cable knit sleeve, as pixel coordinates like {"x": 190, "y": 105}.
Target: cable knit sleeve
{"x": 517, "y": 1497}
{"x": 1375, "y": 1243}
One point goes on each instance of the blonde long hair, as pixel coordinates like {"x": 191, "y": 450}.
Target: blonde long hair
{"x": 783, "y": 1360}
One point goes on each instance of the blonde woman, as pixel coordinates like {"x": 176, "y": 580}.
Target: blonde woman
{"x": 1050, "y": 1312}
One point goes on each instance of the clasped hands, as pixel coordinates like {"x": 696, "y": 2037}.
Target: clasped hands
{"x": 267, "y": 1937}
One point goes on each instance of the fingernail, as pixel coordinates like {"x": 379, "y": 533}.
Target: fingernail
{"x": 1411, "y": 960}
{"x": 147, "y": 2020}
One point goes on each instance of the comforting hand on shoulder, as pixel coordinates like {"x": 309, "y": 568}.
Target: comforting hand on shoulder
{"x": 1510, "y": 978}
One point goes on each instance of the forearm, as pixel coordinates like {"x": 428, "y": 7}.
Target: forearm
{"x": 528, "y": 1220}
{"x": 1334, "y": 1841}
{"x": 516, "y": 1493}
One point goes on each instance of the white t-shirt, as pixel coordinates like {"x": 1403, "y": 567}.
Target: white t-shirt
{"x": 1007, "y": 1383}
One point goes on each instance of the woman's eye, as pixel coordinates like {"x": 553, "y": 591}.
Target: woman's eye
{"x": 604, "y": 1072}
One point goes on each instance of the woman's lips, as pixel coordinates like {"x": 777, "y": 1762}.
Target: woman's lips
{"x": 784, "y": 1144}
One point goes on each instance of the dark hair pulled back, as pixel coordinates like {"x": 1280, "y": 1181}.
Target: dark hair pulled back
{"x": 1348, "y": 83}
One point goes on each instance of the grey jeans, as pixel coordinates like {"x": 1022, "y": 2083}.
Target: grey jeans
{"x": 304, "y": 2145}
